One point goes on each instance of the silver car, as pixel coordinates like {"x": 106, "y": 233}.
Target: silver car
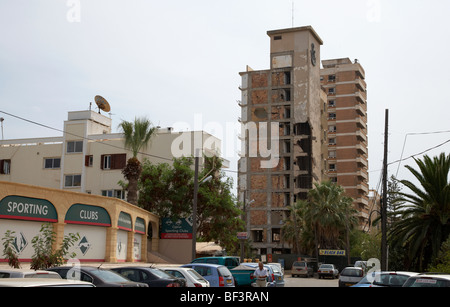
{"x": 302, "y": 268}
{"x": 26, "y": 273}
{"x": 193, "y": 279}
{"x": 328, "y": 270}
{"x": 350, "y": 276}
{"x": 429, "y": 280}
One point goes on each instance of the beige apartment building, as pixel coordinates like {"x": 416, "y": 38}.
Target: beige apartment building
{"x": 88, "y": 158}
{"x": 322, "y": 133}
{"x": 347, "y": 153}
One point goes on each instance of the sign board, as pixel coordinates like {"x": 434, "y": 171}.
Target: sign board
{"x": 124, "y": 221}
{"x": 88, "y": 215}
{"x": 139, "y": 226}
{"x": 176, "y": 229}
{"x": 27, "y": 209}
{"x": 242, "y": 235}
{"x": 331, "y": 252}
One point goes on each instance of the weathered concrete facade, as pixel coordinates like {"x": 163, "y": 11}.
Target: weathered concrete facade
{"x": 288, "y": 95}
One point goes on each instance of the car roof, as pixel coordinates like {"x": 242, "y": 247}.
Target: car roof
{"x": 36, "y": 282}
{"x": 203, "y": 264}
{"x": 354, "y": 267}
{"x": 437, "y": 275}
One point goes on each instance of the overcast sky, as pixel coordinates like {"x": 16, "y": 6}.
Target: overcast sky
{"x": 171, "y": 60}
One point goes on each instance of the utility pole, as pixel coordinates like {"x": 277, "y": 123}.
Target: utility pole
{"x": 384, "y": 204}
{"x": 194, "y": 209}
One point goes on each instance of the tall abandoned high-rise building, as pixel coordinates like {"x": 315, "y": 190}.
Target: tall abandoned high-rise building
{"x": 291, "y": 99}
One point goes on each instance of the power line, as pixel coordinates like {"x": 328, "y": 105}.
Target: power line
{"x": 82, "y": 137}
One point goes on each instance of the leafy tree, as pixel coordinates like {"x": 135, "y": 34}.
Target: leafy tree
{"x": 137, "y": 135}
{"x": 425, "y": 215}
{"x": 9, "y": 251}
{"x": 168, "y": 190}
{"x": 44, "y": 256}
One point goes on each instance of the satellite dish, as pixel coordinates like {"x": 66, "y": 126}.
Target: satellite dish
{"x": 102, "y": 104}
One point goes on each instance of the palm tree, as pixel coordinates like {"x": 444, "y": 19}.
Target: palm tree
{"x": 330, "y": 214}
{"x": 137, "y": 136}
{"x": 424, "y": 221}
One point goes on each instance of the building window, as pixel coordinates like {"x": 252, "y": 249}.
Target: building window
{"x": 74, "y": 146}
{"x": 332, "y": 116}
{"x": 331, "y": 78}
{"x": 52, "y": 163}
{"x": 332, "y": 103}
{"x": 72, "y": 181}
{"x": 332, "y": 129}
{"x": 257, "y": 235}
{"x": 89, "y": 161}
{"x": 106, "y": 161}
{"x": 332, "y": 154}
{"x": 120, "y": 194}
{"x": 278, "y": 37}
{"x": 116, "y": 161}
{"x": 332, "y": 141}
{"x": 276, "y": 234}
{"x": 332, "y": 91}
{"x": 332, "y": 167}
{"x": 5, "y": 167}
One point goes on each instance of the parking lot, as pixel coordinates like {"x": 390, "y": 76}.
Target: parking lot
{"x": 309, "y": 282}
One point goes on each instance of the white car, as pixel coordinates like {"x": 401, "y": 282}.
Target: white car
{"x": 193, "y": 279}
{"x": 42, "y": 282}
{"x": 429, "y": 280}
{"x": 328, "y": 270}
{"x": 24, "y": 273}
{"x": 350, "y": 276}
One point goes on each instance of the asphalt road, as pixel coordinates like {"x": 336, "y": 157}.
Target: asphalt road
{"x": 309, "y": 282}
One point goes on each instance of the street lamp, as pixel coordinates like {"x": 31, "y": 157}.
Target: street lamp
{"x": 194, "y": 208}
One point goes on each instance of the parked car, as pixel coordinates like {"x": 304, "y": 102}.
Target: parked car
{"x": 384, "y": 279}
{"x": 428, "y": 281}
{"x": 243, "y": 275}
{"x": 192, "y": 278}
{"x": 362, "y": 264}
{"x": 229, "y": 261}
{"x": 367, "y": 280}
{"x": 328, "y": 270}
{"x": 99, "y": 277}
{"x": 302, "y": 268}
{"x": 217, "y": 275}
{"x": 350, "y": 276}
{"x": 42, "y": 282}
{"x": 271, "y": 279}
{"x": 153, "y": 277}
{"x": 24, "y": 273}
{"x": 278, "y": 275}
{"x": 392, "y": 279}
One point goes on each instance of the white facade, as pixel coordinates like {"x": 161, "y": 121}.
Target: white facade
{"x": 89, "y": 158}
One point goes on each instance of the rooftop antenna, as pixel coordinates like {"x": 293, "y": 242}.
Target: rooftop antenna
{"x": 1, "y": 121}
{"x": 292, "y": 13}
{"x": 102, "y": 104}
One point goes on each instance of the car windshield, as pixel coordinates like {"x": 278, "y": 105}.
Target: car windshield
{"x": 427, "y": 282}
{"x": 392, "y": 280}
{"x": 195, "y": 275}
{"x": 160, "y": 274}
{"x": 351, "y": 272}
{"x": 326, "y": 266}
{"x": 299, "y": 264}
{"x": 108, "y": 276}
{"x": 369, "y": 278}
